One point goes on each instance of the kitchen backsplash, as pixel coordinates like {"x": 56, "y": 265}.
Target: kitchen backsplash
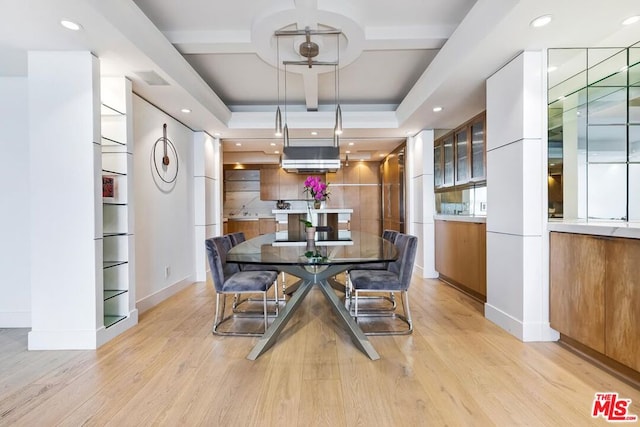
{"x": 248, "y": 203}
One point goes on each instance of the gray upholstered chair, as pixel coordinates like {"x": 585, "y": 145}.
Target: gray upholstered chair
{"x": 396, "y": 278}
{"x": 389, "y": 235}
{"x": 239, "y": 237}
{"x": 229, "y": 279}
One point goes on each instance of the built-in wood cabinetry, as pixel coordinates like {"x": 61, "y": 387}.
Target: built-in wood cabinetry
{"x": 595, "y": 295}
{"x": 622, "y": 298}
{"x": 459, "y": 156}
{"x": 266, "y": 225}
{"x": 461, "y": 255}
{"x": 357, "y": 187}
{"x": 278, "y": 184}
{"x": 269, "y": 183}
{"x": 250, "y": 228}
{"x": 577, "y": 278}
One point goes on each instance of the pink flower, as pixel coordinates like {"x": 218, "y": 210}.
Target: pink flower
{"x": 316, "y": 188}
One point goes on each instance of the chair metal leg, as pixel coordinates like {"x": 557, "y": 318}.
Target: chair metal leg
{"x": 264, "y": 306}
{"x": 405, "y": 318}
{"x": 220, "y": 317}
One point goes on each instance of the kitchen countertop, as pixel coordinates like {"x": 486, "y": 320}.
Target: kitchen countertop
{"x": 247, "y": 217}
{"x": 461, "y": 218}
{"x": 304, "y": 211}
{"x": 630, "y": 230}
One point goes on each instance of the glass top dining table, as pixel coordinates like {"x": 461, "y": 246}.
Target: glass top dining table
{"x": 315, "y": 262}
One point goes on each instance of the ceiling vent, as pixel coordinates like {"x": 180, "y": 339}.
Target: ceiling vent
{"x": 151, "y": 78}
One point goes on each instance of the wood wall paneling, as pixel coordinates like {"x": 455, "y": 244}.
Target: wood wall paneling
{"x": 577, "y": 287}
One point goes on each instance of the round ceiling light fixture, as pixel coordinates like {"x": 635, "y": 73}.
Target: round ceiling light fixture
{"x": 70, "y": 25}
{"x": 541, "y": 21}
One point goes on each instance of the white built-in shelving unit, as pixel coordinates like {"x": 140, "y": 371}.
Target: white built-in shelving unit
{"x": 117, "y": 207}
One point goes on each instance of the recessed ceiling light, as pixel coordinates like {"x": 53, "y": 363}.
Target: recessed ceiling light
{"x": 70, "y": 25}
{"x": 216, "y": 134}
{"x": 185, "y": 110}
{"x": 540, "y": 21}
{"x": 382, "y": 154}
{"x": 277, "y": 152}
{"x": 314, "y": 133}
{"x": 631, "y": 20}
{"x": 551, "y": 68}
{"x": 238, "y": 144}
{"x": 437, "y": 109}
{"x": 348, "y": 152}
{"x": 273, "y": 144}
{"x": 351, "y": 144}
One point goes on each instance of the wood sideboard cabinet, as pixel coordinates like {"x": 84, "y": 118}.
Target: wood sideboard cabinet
{"x": 461, "y": 255}
{"x": 595, "y": 293}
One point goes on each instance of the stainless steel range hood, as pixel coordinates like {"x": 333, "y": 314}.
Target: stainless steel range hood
{"x": 311, "y": 159}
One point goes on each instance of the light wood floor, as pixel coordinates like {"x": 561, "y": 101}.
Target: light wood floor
{"x": 456, "y": 369}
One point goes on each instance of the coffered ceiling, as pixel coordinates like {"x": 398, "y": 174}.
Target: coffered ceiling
{"x": 397, "y": 60}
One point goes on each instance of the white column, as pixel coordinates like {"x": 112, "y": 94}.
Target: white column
{"x": 420, "y": 200}
{"x": 207, "y": 196}
{"x": 15, "y": 303}
{"x": 66, "y": 213}
{"x": 517, "y": 246}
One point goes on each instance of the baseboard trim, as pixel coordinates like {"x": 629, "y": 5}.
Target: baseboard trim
{"x": 525, "y": 332}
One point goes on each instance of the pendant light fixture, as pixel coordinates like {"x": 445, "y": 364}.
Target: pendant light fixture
{"x": 309, "y": 50}
{"x": 286, "y": 127}
{"x": 338, "y": 127}
{"x": 278, "y": 131}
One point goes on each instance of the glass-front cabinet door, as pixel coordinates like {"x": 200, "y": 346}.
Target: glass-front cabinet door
{"x": 448, "y": 161}
{"x": 462, "y": 157}
{"x": 477, "y": 151}
{"x": 437, "y": 164}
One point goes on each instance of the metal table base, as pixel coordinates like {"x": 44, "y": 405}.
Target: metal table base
{"x": 310, "y": 277}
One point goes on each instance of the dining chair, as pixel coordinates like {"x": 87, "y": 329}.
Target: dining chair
{"x": 390, "y": 236}
{"x": 396, "y": 278}
{"x": 229, "y": 279}
{"x": 239, "y": 237}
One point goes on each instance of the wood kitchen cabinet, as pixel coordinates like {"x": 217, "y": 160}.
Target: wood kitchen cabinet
{"x": 461, "y": 255}
{"x": 576, "y": 287}
{"x": 266, "y": 225}
{"x": 622, "y": 299}
{"x": 290, "y": 185}
{"x": 250, "y": 228}
{"x": 594, "y": 293}
{"x": 270, "y": 184}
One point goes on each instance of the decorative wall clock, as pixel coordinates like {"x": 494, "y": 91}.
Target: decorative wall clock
{"x": 165, "y": 158}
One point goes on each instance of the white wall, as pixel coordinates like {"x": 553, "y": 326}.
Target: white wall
{"x": 517, "y": 254}
{"x": 421, "y": 202}
{"x": 15, "y": 291}
{"x": 164, "y": 214}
